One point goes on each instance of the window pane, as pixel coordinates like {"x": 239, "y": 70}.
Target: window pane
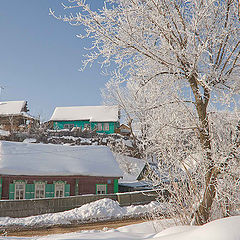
{"x": 99, "y": 127}
{"x": 39, "y": 190}
{"x": 17, "y": 194}
{"x": 106, "y": 126}
{"x": 21, "y": 194}
{"x": 59, "y": 189}
{"x": 87, "y": 126}
{"x": 101, "y": 189}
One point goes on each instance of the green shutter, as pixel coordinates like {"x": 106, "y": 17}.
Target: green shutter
{"x": 67, "y": 190}
{"x": 29, "y": 191}
{"x": 49, "y": 190}
{"x": 115, "y": 185}
{"x": 11, "y": 190}
{"x": 0, "y": 187}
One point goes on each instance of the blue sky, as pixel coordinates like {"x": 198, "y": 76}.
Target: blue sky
{"x": 40, "y": 58}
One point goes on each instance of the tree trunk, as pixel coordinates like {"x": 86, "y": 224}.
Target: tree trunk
{"x": 202, "y": 214}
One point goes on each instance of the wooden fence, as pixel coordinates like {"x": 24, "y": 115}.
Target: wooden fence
{"x": 25, "y": 208}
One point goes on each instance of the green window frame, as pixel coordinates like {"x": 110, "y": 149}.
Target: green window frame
{"x": 101, "y": 188}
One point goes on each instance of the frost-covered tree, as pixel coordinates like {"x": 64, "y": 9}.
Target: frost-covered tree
{"x": 176, "y": 57}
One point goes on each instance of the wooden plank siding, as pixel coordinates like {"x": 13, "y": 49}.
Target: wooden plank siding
{"x": 74, "y": 185}
{"x": 93, "y": 125}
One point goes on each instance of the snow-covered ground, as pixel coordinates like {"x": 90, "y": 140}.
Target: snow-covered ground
{"x": 103, "y": 209}
{"x": 223, "y": 229}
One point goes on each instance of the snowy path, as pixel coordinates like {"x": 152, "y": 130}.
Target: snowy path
{"x": 44, "y": 231}
{"x": 223, "y": 229}
{"x": 138, "y": 231}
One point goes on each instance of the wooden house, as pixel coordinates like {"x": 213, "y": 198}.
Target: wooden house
{"x": 102, "y": 119}
{"x": 29, "y": 170}
{"x": 14, "y": 116}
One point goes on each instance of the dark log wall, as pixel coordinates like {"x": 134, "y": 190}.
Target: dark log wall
{"x": 86, "y": 184}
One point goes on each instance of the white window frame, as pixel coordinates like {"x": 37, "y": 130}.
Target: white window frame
{"x": 101, "y": 188}
{"x": 57, "y": 189}
{"x": 37, "y": 190}
{"x": 23, "y": 190}
{"x": 99, "y": 127}
{"x": 68, "y": 126}
{"x": 106, "y": 127}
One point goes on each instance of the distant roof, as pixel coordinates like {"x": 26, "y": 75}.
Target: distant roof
{"x": 91, "y": 113}
{"x": 12, "y": 107}
{"x": 131, "y": 167}
{"x": 56, "y": 160}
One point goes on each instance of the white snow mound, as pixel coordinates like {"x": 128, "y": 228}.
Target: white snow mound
{"x": 103, "y": 209}
{"x": 222, "y": 229}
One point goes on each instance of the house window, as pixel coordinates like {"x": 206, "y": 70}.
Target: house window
{"x": 99, "y": 127}
{"x": 68, "y": 126}
{"x": 20, "y": 190}
{"x": 39, "y": 190}
{"x": 87, "y": 126}
{"x": 101, "y": 189}
{"x": 106, "y": 126}
{"x": 59, "y": 189}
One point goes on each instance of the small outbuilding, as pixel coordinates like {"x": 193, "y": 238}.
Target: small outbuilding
{"x": 14, "y": 115}
{"x": 29, "y": 170}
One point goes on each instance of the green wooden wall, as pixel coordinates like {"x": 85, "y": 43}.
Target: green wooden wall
{"x": 80, "y": 124}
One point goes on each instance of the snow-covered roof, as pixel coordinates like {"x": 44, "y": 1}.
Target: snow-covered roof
{"x": 12, "y": 107}
{"x": 4, "y": 133}
{"x": 92, "y": 113}
{"x": 131, "y": 167}
{"x": 47, "y": 159}
{"x": 137, "y": 184}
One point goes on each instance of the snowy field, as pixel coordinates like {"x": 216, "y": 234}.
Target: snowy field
{"x": 224, "y": 229}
